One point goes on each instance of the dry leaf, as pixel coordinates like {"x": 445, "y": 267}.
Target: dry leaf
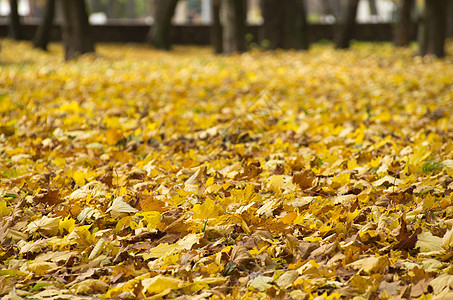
{"x": 120, "y": 208}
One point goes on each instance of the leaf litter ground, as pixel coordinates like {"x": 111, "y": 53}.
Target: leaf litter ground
{"x": 139, "y": 174}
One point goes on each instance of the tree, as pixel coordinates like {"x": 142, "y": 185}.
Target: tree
{"x": 216, "y": 28}
{"x": 96, "y": 6}
{"x": 130, "y": 9}
{"x": 159, "y": 34}
{"x": 235, "y": 14}
{"x": 405, "y": 28}
{"x": 373, "y": 8}
{"x": 433, "y": 32}
{"x": 347, "y": 24}
{"x": 76, "y": 30}
{"x": 113, "y": 9}
{"x": 274, "y": 16}
{"x": 42, "y": 35}
{"x": 450, "y": 19}
{"x": 296, "y": 36}
{"x": 15, "y": 27}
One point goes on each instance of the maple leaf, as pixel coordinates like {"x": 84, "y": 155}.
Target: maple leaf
{"x": 120, "y": 208}
{"x": 304, "y": 179}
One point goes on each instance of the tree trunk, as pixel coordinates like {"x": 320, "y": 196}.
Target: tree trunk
{"x": 326, "y": 7}
{"x": 216, "y": 28}
{"x": 336, "y": 8}
{"x": 96, "y": 6}
{"x": 159, "y": 34}
{"x": 346, "y": 28}
{"x": 113, "y": 9}
{"x": 42, "y": 35}
{"x": 422, "y": 34}
{"x": 76, "y": 30}
{"x": 235, "y": 12}
{"x": 273, "y": 12}
{"x": 130, "y": 9}
{"x": 450, "y": 19}
{"x": 15, "y": 27}
{"x": 436, "y": 23}
{"x": 296, "y": 25}
{"x": 373, "y": 7}
{"x": 405, "y": 27}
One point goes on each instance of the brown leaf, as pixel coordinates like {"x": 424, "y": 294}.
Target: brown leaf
{"x": 408, "y": 243}
{"x": 304, "y": 179}
{"x": 390, "y": 288}
{"x": 49, "y": 197}
{"x": 306, "y": 248}
{"x": 420, "y": 288}
{"x": 242, "y": 258}
{"x": 107, "y": 179}
{"x": 324, "y": 250}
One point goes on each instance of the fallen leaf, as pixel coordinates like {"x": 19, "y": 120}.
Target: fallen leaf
{"x": 120, "y": 208}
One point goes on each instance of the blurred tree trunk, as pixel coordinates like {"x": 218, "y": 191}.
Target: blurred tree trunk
{"x": 347, "y": 24}
{"x": 76, "y": 30}
{"x": 273, "y": 12}
{"x": 159, "y": 34}
{"x": 42, "y": 35}
{"x": 450, "y": 19}
{"x": 113, "y": 9}
{"x": 130, "y": 9}
{"x": 235, "y": 12}
{"x": 373, "y": 8}
{"x": 296, "y": 36}
{"x": 327, "y": 7}
{"x": 216, "y": 28}
{"x": 432, "y": 40}
{"x": 15, "y": 27}
{"x": 404, "y": 30}
{"x": 285, "y": 24}
{"x": 96, "y": 6}
{"x": 336, "y": 8}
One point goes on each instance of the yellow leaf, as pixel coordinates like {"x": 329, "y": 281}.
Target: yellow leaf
{"x": 90, "y": 286}
{"x": 209, "y": 182}
{"x": 427, "y": 242}
{"x": 261, "y": 282}
{"x": 125, "y": 287}
{"x": 45, "y": 224}
{"x": 42, "y": 268}
{"x": 32, "y": 247}
{"x": 120, "y": 208}
{"x": 159, "y": 284}
{"x": 79, "y": 177}
{"x": 97, "y": 250}
{"x": 286, "y": 279}
{"x": 447, "y": 240}
{"x": 415, "y": 160}
{"x": 160, "y": 250}
{"x": 371, "y": 265}
{"x": 276, "y": 181}
{"x": 442, "y": 282}
{"x": 188, "y": 241}
{"x": 82, "y": 235}
{"x": 4, "y": 210}
{"x": 112, "y": 136}
{"x": 208, "y": 210}
{"x": 152, "y": 218}
{"x": 67, "y": 224}
{"x": 341, "y": 180}
{"x": 428, "y": 201}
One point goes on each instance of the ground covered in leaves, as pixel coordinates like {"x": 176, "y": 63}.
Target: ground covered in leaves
{"x": 142, "y": 174}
